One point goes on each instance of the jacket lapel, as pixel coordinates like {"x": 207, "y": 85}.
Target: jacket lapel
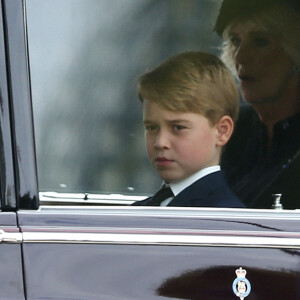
{"x": 199, "y": 191}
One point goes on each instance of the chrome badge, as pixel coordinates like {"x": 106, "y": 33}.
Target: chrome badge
{"x": 241, "y": 286}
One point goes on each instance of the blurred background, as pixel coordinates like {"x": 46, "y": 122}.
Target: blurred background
{"x": 85, "y": 59}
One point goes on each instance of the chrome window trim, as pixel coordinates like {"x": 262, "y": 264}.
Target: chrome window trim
{"x": 10, "y": 236}
{"x": 178, "y": 212}
{"x": 56, "y": 198}
{"x": 162, "y": 236}
{"x": 161, "y": 239}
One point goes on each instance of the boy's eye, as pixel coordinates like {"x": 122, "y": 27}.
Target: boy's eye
{"x": 150, "y": 127}
{"x": 178, "y": 127}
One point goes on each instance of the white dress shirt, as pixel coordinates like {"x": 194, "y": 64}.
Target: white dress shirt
{"x": 181, "y": 185}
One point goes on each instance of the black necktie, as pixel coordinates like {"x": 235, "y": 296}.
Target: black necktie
{"x": 164, "y": 193}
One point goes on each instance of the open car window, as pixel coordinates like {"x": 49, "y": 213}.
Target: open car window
{"x": 85, "y": 58}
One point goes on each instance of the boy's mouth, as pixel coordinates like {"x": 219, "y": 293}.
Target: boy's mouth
{"x": 163, "y": 161}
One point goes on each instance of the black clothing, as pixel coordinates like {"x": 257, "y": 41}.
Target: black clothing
{"x": 232, "y": 10}
{"x": 253, "y": 171}
{"x": 208, "y": 191}
{"x": 164, "y": 193}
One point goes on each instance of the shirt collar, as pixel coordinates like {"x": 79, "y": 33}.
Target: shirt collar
{"x": 181, "y": 185}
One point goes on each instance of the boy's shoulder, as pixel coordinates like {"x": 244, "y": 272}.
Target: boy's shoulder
{"x": 208, "y": 191}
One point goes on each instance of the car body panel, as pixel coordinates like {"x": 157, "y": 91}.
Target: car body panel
{"x": 109, "y": 271}
{"x": 149, "y": 253}
{"x": 11, "y": 269}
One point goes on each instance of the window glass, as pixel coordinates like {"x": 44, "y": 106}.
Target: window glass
{"x": 85, "y": 58}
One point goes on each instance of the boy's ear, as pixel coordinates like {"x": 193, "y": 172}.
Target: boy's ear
{"x": 224, "y": 128}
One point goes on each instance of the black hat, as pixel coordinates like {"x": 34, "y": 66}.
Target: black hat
{"x": 232, "y": 9}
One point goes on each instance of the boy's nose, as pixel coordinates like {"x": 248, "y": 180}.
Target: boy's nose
{"x": 161, "y": 141}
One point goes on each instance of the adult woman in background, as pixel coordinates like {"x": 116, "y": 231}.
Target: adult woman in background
{"x": 262, "y": 47}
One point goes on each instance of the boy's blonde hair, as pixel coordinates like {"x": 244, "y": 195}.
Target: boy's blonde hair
{"x": 192, "y": 82}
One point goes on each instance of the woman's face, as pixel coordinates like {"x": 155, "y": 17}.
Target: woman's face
{"x": 264, "y": 69}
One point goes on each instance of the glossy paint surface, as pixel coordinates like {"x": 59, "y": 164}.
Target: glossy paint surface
{"x": 11, "y": 273}
{"x": 11, "y": 276}
{"x": 84, "y": 253}
{"x": 8, "y": 219}
{"x": 86, "y": 271}
{"x": 172, "y": 218}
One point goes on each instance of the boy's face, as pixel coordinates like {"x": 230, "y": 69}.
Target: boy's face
{"x": 178, "y": 144}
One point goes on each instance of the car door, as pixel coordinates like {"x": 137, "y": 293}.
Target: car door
{"x": 158, "y": 253}
{"x": 66, "y": 241}
{"x": 11, "y": 266}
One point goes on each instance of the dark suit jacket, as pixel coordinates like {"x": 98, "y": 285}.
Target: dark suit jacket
{"x": 209, "y": 191}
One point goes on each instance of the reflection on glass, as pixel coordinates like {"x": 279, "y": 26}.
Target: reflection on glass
{"x": 85, "y": 58}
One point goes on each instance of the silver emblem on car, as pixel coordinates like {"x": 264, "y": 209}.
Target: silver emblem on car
{"x": 241, "y": 286}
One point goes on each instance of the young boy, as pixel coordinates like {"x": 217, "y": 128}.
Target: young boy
{"x": 190, "y": 103}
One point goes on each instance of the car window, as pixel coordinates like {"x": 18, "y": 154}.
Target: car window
{"x": 85, "y": 58}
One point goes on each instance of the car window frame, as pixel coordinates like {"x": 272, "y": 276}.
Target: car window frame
{"x": 21, "y": 187}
